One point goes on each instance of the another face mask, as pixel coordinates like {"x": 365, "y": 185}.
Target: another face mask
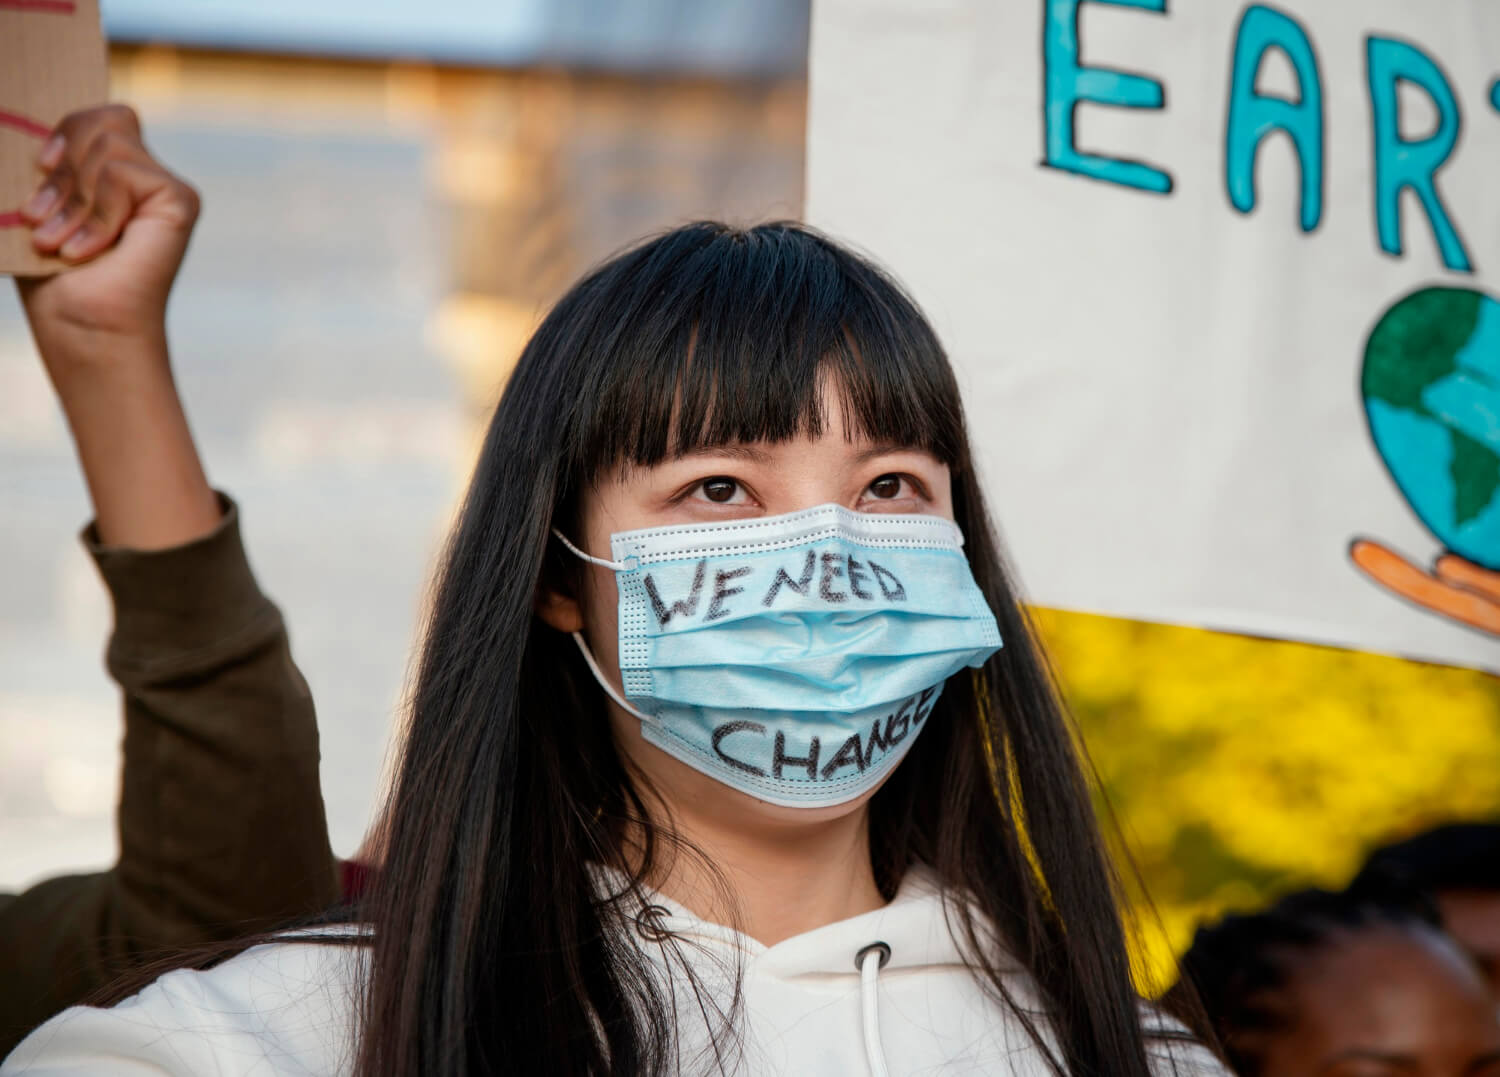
{"x": 794, "y": 657}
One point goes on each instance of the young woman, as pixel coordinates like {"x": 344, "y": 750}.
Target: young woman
{"x": 729, "y": 751}
{"x": 1359, "y": 983}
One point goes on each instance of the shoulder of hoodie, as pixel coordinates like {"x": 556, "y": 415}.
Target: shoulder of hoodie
{"x": 284, "y": 1007}
{"x": 1172, "y": 1049}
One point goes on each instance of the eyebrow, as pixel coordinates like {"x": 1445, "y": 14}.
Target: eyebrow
{"x": 886, "y": 449}
{"x": 760, "y": 456}
{"x": 740, "y": 452}
{"x": 1361, "y": 1054}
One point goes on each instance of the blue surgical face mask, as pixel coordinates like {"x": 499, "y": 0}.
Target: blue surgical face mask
{"x": 794, "y": 657}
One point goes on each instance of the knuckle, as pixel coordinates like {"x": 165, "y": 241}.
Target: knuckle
{"x": 74, "y": 122}
{"x": 189, "y": 196}
{"x": 123, "y": 115}
{"x": 61, "y": 178}
{"x": 98, "y": 149}
{"x": 113, "y": 141}
{"x": 78, "y": 126}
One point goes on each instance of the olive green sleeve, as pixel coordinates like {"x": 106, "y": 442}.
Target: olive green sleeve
{"x": 221, "y": 821}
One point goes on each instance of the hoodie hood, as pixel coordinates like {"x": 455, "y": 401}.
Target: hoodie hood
{"x": 887, "y": 991}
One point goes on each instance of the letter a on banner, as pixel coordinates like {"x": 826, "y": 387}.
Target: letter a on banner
{"x": 52, "y": 61}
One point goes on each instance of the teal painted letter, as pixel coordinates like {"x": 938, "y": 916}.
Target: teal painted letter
{"x": 1401, "y": 163}
{"x": 1067, "y": 83}
{"x": 1253, "y": 115}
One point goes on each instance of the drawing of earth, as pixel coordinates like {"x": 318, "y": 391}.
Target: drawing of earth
{"x": 1431, "y": 387}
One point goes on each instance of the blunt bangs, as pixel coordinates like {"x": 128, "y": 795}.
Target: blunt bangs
{"x": 710, "y": 336}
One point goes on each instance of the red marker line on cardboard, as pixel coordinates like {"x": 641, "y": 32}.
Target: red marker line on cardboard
{"x": 24, "y": 124}
{"x": 50, "y": 7}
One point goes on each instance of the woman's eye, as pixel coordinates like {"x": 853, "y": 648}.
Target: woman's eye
{"x": 720, "y": 490}
{"x": 886, "y": 487}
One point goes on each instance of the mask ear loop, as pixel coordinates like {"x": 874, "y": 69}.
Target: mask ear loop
{"x": 583, "y": 648}
{"x": 618, "y": 566}
{"x": 609, "y": 689}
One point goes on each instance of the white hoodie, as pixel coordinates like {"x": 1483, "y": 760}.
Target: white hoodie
{"x": 288, "y": 1008}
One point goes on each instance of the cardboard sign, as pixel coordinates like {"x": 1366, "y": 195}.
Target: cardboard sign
{"x": 52, "y": 61}
{"x": 1222, "y": 285}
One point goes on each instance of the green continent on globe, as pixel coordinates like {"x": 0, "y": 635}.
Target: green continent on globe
{"x": 1415, "y": 346}
{"x": 1416, "y": 343}
{"x": 1476, "y": 477}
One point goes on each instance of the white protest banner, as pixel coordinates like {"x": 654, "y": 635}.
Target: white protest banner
{"x": 1222, "y": 284}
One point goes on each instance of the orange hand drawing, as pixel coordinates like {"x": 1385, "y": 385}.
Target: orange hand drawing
{"x": 1456, "y": 588}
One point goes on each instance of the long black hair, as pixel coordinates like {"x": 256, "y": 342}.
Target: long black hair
{"x": 1234, "y": 978}
{"x": 494, "y": 950}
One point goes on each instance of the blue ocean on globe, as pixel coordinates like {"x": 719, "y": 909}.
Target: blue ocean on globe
{"x": 1432, "y": 396}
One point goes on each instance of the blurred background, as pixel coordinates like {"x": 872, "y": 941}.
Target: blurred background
{"x": 393, "y": 194}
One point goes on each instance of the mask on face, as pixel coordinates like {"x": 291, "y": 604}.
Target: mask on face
{"x": 794, "y": 658}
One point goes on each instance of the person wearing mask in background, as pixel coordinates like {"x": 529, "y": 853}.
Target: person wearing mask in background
{"x": 1459, "y": 865}
{"x": 221, "y": 823}
{"x": 1362, "y": 982}
{"x": 715, "y": 762}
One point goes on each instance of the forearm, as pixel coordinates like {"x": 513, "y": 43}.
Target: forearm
{"x": 142, "y": 469}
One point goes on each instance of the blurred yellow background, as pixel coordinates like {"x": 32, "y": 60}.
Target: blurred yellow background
{"x": 1241, "y": 768}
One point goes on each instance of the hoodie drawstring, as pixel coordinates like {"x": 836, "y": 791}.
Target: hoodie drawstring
{"x": 870, "y": 961}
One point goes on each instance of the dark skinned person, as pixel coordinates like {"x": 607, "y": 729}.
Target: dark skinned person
{"x": 221, "y": 822}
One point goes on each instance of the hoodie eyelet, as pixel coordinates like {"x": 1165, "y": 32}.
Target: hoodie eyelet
{"x": 885, "y": 955}
{"x": 649, "y": 926}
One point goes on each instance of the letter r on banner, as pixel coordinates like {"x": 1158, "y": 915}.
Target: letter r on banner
{"x": 1402, "y": 163}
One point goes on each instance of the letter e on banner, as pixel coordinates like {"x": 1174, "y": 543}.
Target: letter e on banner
{"x": 52, "y": 62}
